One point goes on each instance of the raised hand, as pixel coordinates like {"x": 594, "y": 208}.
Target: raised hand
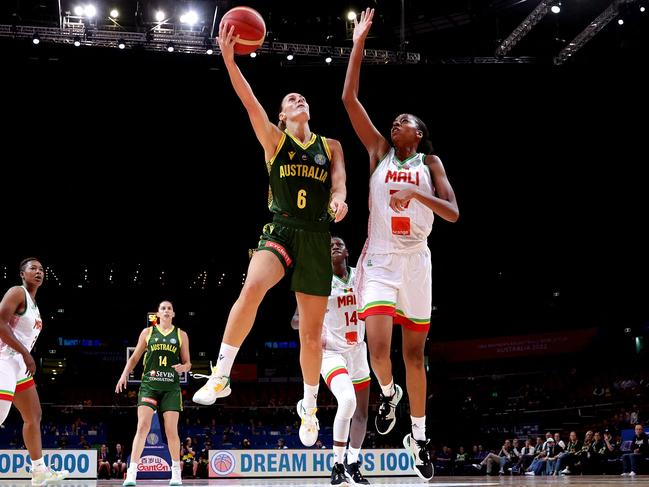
{"x": 362, "y": 27}
{"x": 226, "y": 40}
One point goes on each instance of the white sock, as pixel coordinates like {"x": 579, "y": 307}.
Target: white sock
{"x": 418, "y": 428}
{"x": 175, "y": 464}
{"x": 339, "y": 454}
{"x": 227, "y": 354}
{"x": 310, "y": 395}
{"x": 132, "y": 466}
{"x": 38, "y": 464}
{"x": 352, "y": 454}
{"x": 388, "y": 389}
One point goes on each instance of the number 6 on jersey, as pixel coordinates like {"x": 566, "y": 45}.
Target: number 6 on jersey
{"x": 301, "y": 199}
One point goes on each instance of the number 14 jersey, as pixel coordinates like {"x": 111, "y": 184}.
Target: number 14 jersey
{"x": 342, "y": 329}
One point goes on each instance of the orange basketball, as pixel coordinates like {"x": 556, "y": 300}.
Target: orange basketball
{"x": 249, "y": 25}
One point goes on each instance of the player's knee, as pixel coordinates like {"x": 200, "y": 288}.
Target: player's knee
{"x": 5, "y": 407}
{"x": 360, "y": 415}
{"x": 346, "y": 405}
{"x": 253, "y": 291}
{"x": 32, "y": 416}
{"x": 413, "y": 357}
{"x": 311, "y": 342}
{"x": 379, "y": 350}
{"x": 143, "y": 428}
{"x": 172, "y": 434}
{"x": 379, "y": 355}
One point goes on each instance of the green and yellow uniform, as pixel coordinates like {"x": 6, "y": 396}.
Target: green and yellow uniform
{"x": 299, "y": 196}
{"x": 160, "y": 388}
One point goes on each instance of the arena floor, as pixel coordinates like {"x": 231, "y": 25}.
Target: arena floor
{"x": 598, "y": 481}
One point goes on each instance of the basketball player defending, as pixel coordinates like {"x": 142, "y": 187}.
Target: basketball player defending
{"x": 408, "y": 187}
{"x": 344, "y": 367}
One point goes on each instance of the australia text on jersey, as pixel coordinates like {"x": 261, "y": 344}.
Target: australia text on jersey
{"x": 304, "y": 171}
{"x": 163, "y": 346}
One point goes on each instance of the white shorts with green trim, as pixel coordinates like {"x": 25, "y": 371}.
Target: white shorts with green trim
{"x": 13, "y": 377}
{"x": 397, "y": 285}
{"x": 352, "y": 362}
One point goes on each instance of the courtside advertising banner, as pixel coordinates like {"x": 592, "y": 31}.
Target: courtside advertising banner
{"x": 303, "y": 463}
{"x": 82, "y": 464}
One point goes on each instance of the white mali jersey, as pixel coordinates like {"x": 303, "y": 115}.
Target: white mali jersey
{"x": 342, "y": 329}
{"x": 26, "y": 327}
{"x": 389, "y": 231}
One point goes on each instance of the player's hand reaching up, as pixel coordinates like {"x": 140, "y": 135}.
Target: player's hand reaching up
{"x": 226, "y": 40}
{"x": 362, "y": 27}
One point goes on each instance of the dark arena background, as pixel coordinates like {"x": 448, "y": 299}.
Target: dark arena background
{"x": 134, "y": 175}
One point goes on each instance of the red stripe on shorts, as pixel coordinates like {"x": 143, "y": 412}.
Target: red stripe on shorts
{"x": 334, "y": 374}
{"x": 25, "y": 385}
{"x": 411, "y": 325}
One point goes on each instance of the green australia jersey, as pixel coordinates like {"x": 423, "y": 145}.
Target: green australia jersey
{"x": 162, "y": 352}
{"x": 300, "y": 179}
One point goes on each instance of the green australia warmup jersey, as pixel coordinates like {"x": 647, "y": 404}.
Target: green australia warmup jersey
{"x": 300, "y": 179}
{"x": 162, "y": 352}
